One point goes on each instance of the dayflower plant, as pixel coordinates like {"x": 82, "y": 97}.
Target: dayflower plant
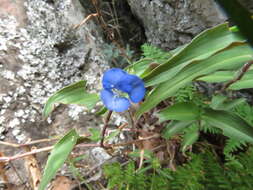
{"x": 118, "y": 83}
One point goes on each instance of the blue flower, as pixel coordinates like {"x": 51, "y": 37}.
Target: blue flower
{"x": 117, "y": 82}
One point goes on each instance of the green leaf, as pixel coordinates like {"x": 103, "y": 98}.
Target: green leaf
{"x": 202, "y": 46}
{"x": 217, "y": 101}
{"x": 233, "y": 57}
{"x": 58, "y": 156}
{"x": 225, "y": 76}
{"x": 72, "y": 94}
{"x": 242, "y": 84}
{"x": 184, "y": 111}
{"x": 175, "y": 127}
{"x": 232, "y": 104}
{"x": 95, "y": 134}
{"x": 102, "y": 111}
{"x": 231, "y": 124}
{"x": 219, "y": 76}
{"x": 220, "y": 102}
{"x": 190, "y": 137}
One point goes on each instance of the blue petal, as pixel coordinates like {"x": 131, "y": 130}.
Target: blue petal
{"x": 112, "y": 77}
{"x": 127, "y": 83}
{"x": 138, "y": 91}
{"x": 134, "y": 86}
{"x": 113, "y": 103}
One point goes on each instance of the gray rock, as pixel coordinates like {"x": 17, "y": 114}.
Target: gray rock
{"x": 171, "y": 23}
{"x": 40, "y": 55}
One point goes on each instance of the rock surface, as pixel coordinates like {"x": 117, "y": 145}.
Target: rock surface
{"x": 169, "y": 24}
{"x": 40, "y": 52}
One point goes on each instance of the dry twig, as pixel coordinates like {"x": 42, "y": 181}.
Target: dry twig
{"x": 85, "y": 20}
{"x": 45, "y": 149}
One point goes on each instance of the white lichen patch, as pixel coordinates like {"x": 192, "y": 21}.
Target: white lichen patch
{"x": 50, "y": 54}
{"x": 13, "y": 123}
{"x": 75, "y": 111}
{"x": 8, "y": 74}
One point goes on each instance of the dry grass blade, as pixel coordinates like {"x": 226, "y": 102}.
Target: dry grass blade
{"x": 34, "y": 173}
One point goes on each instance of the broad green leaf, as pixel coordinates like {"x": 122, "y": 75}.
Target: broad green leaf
{"x": 190, "y": 137}
{"x": 232, "y": 104}
{"x": 152, "y": 66}
{"x": 232, "y": 57}
{"x": 184, "y": 111}
{"x": 175, "y": 127}
{"x": 202, "y": 46}
{"x": 219, "y": 76}
{"x": 58, "y": 156}
{"x": 72, "y": 94}
{"x": 217, "y": 101}
{"x": 242, "y": 84}
{"x": 231, "y": 124}
{"x": 220, "y": 102}
{"x": 225, "y": 76}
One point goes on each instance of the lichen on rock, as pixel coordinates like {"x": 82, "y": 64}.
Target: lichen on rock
{"x": 43, "y": 56}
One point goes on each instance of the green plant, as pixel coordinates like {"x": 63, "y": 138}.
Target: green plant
{"x": 203, "y": 171}
{"x": 169, "y": 77}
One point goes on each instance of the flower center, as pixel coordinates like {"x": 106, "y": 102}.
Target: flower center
{"x": 119, "y": 93}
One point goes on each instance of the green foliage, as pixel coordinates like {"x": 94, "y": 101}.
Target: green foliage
{"x": 197, "y": 59}
{"x": 186, "y": 94}
{"x": 95, "y": 134}
{"x": 220, "y": 102}
{"x": 208, "y": 128}
{"x": 184, "y": 111}
{"x": 126, "y": 178}
{"x": 231, "y": 125}
{"x": 175, "y": 127}
{"x": 72, "y": 94}
{"x": 191, "y": 136}
{"x": 117, "y": 57}
{"x": 203, "y": 171}
{"x": 58, "y": 156}
{"x": 152, "y": 56}
{"x": 215, "y": 55}
{"x": 155, "y": 54}
{"x": 225, "y": 76}
{"x": 245, "y": 111}
{"x": 231, "y": 146}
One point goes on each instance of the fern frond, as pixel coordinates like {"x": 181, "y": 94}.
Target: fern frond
{"x": 189, "y": 176}
{"x": 207, "y": 128}
{"x": 153, "y": 53}
{"x": 245, "y": 111}
{"x": 231, "y": 146}
{"x": 185, "y": 94}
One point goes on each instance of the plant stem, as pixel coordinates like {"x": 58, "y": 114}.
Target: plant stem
{"x": 244, "y": 69}
{"x": 107, "y": 119}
